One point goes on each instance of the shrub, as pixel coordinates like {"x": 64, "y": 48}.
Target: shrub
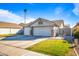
{"x": 76, "y": 35}
{"x": 51, "y": 47}
{"x": 76, "y": 31}
{"x": 6, "y": 35}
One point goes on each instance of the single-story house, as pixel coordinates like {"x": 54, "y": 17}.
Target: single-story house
{"x": 43, "y": 27}
{"x": 9, "y": 28}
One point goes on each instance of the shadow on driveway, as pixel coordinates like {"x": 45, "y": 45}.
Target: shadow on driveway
{"x": 23, "y": 37}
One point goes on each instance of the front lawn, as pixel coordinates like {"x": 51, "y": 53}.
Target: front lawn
{"x": 51, "y": 47}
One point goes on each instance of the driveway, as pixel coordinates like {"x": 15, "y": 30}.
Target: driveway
{"x": 22, "y": 41}
{"x": 19, "y": 44}
{"x": 23, "y": 37}
{"x": 6, "y": 50}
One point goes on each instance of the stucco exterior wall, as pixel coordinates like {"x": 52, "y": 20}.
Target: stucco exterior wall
{"x": 65, "y": 31}
{"x": 8, "y": 30}
{"x": 13, "y": 31}
{"x": 27, "y": 31}
{"x": 44, "y": 24}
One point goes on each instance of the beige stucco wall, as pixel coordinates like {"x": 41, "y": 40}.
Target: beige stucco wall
{"x": 27, "y": 30}
{"x": 65, "y": 31}
{"x": 13, "y": 31}
{"x": 8, "y": 30}
{"x": 44, "y": 24}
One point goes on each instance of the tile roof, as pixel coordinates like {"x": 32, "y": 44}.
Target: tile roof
{"x": 9, "y": 25}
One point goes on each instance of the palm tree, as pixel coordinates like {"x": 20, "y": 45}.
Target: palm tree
{"x": 25, "y": 10}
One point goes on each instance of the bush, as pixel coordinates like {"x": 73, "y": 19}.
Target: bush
{"x": 76, "y": 31}
{"x": 51, "y": 47}
{"x": 76, "y": 35}
{"x": 6, "y": 35}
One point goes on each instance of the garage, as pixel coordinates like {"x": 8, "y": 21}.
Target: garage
{"x": 27, "y": 31}
{"x": 41, "y": 27}
{"x": 42, "y": 31}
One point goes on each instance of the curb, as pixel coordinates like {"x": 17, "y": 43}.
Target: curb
{"x": 76, "y": 52}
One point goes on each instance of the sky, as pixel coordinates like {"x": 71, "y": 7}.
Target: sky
{"x": 14, "y": 12}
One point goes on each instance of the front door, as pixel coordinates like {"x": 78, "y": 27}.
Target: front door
{"x": 31, "y": 32}
{"x": 52, "y": 33}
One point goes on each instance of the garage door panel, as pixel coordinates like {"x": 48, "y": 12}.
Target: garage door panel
{"x": 42, "y": 31}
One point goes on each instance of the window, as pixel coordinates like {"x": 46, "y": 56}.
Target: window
{"x": 40, "y": 22}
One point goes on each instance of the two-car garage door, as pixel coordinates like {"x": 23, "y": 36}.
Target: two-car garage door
{"x": 42, "y": 31}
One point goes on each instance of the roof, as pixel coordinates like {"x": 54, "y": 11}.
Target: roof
{"x": 76, "y": 26}
{"x": 22, "y": 24}
{"x": 9, "y": 25}
{"x": 38, "y": 19}
{"x": 58, "y": 22}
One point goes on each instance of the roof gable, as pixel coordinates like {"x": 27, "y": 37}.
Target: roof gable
{"x": 58, "y": 22}
{"x": 45, "y": 22}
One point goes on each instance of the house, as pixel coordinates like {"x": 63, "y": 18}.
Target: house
{"x": 43, "y": 27}
{"x": 76, "y": 28}
{"x": 9, "y": 28}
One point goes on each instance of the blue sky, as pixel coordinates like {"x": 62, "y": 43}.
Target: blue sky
{"x": 13, "y": 12}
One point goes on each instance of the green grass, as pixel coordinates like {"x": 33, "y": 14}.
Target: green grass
{"x": 51, "y": 47}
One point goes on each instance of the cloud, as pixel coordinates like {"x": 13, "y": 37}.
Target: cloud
{"x": 76, "y": 9}
{"x": 58, "y": 13}
{"x": 8, "y": 16}
{"x": 29, "y": 19}
{"x": 58, "y": 10}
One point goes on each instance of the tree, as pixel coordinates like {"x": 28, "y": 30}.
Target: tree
{"x": 76, "y": 31}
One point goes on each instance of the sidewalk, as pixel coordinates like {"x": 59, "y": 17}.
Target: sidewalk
{"x": 77, "y": 50}
{"x": 13, "y": 51}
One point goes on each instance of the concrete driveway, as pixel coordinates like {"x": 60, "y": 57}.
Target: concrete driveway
{"x": 6, "y": 50}
{"x": 22, "y": 44}
{"x": 19, "y": 44}
{"x": 23, "y": 37}
{"x": 16, "y": 45}
{"x": 22, "y": 41}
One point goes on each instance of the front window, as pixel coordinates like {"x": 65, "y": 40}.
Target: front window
{"x": 40, "y": 22}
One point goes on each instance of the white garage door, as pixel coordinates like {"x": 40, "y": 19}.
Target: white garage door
{"x": 42, "y": 31}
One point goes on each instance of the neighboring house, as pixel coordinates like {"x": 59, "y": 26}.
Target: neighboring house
{"x": 43, "y": 27}
{"x": 76, "y": 27}
{"x": 9, "y": 28}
